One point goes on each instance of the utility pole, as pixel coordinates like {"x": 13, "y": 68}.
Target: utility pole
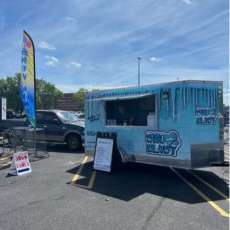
{"x": 139, "y": 69}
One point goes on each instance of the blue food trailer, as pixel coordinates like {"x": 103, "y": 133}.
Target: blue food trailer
{"x": 177, "y": 124}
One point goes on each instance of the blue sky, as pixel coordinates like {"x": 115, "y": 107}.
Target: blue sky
{"x": 95, "y": 43}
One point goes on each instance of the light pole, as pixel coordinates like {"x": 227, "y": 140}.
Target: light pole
{"x": 42, "y": 93}
{"x": 139, "y": 69}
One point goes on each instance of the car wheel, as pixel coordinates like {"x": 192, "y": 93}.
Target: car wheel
{"x": 74, "y": 142}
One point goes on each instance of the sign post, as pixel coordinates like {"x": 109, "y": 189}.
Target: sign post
{"x": 3, "y": 112}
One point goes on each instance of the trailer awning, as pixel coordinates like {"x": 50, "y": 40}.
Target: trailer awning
{"x": 122, "y": 97}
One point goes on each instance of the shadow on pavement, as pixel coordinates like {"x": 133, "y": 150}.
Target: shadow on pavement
{"x": 62, "y": 148}
{"x": 133, "y": 180}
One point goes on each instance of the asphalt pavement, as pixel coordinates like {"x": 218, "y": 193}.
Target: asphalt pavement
{"x": 64, "y": 192}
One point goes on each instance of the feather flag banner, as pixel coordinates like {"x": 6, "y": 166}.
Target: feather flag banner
{"x": 27, "y": 86}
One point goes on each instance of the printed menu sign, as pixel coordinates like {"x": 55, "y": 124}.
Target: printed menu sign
{"x": 103, "y": 154}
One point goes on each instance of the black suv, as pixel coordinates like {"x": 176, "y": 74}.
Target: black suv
{"x": 60, "y": 127}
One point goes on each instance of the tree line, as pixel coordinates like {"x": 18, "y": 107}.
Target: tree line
{"x": 47, "y": 95}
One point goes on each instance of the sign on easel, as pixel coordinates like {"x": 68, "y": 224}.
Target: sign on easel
{"x": 20, "y": 164}
{"x": 103, "y": 154}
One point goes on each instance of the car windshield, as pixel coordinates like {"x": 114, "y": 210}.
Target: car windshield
{"x": 67, "y": 116}
{"x": 81, "y": 116}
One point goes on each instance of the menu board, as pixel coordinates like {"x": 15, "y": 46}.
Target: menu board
{"x": 103, "y": 154}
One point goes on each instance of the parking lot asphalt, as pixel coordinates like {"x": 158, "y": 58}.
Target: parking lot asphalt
{"x": 64, "y": 192}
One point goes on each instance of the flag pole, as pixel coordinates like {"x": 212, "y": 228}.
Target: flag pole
{"x": 139, "y": 71}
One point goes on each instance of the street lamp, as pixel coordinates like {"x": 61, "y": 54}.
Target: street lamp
{"x": 138, "y": 69}
{"x": 42, "y": 93}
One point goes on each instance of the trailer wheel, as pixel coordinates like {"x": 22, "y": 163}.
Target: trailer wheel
{"x": 74, "y": 142}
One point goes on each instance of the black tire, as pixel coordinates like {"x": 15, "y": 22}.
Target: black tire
{"x": 74, "y": 142}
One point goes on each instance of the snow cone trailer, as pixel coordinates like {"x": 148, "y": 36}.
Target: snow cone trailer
{"x": 175, "y": 124}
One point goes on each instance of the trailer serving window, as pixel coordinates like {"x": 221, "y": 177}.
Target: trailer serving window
{"x": 132, "y": 111}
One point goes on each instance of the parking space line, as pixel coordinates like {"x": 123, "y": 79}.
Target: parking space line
{"x": 2, "y": 166}
{"x": 77, "y": 175}
{"x": 201, "y": 194}
{"x": 4, "y": 158}
{"x": 92, "y": 180}
{"x": 7, "y": 163}
{"x": 209, "y": 185}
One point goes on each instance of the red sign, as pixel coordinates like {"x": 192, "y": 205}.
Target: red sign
{"x": 22, "y": 163}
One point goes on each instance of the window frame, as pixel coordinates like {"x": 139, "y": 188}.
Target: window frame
{"x": 132, "y": 126}
{"x": 45, "y": 121}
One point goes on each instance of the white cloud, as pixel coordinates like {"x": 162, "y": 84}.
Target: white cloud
{"x": 45, "y": 45}
{"x": 51, "y": 61}
{"x": 70, "y": 19}
{"x": 76, "y": 65}
{"x": 155, "y": 59}
{"x": 188, "y": 2}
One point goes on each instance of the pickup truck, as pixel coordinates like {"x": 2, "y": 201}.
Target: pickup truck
{"x": 57, "y": 127}
{"x": 11, "y": 123}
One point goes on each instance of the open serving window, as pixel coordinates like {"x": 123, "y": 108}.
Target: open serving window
{"x": 139, "y": 110}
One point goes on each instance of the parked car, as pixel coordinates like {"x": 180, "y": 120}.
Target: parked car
{"x": 10, "y": 114}
{"x": 61, "y": 127}
{"x": 80, "y": 117}
{"x": 56, "y": 126}
{"x": 11, "y": 123}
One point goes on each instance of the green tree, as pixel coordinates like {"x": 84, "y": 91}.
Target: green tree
{"x": 9, "y": 88}
{"x": 46, "y": 93}
{"x": 79, "y": 97}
